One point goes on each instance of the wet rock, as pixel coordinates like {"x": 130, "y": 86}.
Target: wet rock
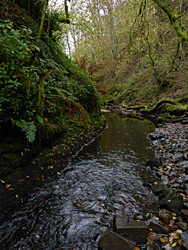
{"x": 184, "y": 214}
{"x": 186, "y": 189}
{"x": 157, "y": 227}
{"x": 165, "y": 180}
{"x": 182, "y": 225}
{"x": 177, "y": 157}
{"x": 185, "y": 156}
{"x": 112, "y": 241}
{"x": 175, "y": 185}
{"x": 155, "y": 136}
{"x": 185, "y": 122}
{"x": 186, "y": 178}
{"x": 156, "y": 244}
{"x": 158, "y": 188}
{"x": 131, "y": 229}
{"x": 179, "y": 180}
{"x": 165, "y": 215}
{"x": 186, "y": 170}
{"x": 185, "y": 204}
{"x": 184, "y": 236}
{"x": 166, "y": 193}
{"x": 155, "y": 162}
{"x": 172, "y": 203}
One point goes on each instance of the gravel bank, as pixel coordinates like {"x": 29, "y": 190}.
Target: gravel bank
{"x": 170, "y": 146}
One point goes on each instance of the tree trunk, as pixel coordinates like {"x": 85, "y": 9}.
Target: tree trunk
{"x": 174, "y": 20}
{"x": 44, "y": 8}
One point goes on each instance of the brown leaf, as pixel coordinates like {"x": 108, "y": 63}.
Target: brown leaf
{"x": 162, "y": 240}
{"x": 171, "y": 223}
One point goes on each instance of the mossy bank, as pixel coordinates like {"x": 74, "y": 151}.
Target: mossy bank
{"x": 44, "y": 96}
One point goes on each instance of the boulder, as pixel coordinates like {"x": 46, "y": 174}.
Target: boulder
{"x": 166, "y": 193}
{"x": 157, "y": 227}
{"x": 154, "y": 162}
{"x": 165, "y": 215}
{"x": 177, "y": 156}
{"x": 112, "y": 241}
{"x": 182, "y": 225}
{"x": 158, "y": 188}
{"x": 185, "y": 204}
{"x": 184, "y": 236}
{"x": 184, "y": 214}
{"x": 131, "y": 229}
{"x": 173, "y": 203}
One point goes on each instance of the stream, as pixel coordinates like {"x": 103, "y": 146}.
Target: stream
{"x": 105, "y": 179}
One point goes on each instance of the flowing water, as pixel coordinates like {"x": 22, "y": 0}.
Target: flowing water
{"x": 105, "y": 179}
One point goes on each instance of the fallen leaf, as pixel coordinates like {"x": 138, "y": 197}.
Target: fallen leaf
{"x": 8, "y": 185}
{"x": 50, "y": 167}
{"x": 58, "y": 173}
{"x": 42, "y": 176}
{"x": 171, "y": 223}
{"x": 21, "y": 180}
{"x": 179, "y": 231}
{"x": 17, "y": 196}
{"x": 174, "y": 244}
{"x": 10, "y": 189}
{"x": 162, "y": 240}
{"x": 37, "y": 179}
{"x": 136, "y": 248}
{"x": 2, "y": 181}
{"x": 155, "y": 217}
{"x": 182, "y": 194}
{"x": 152, "y": 236}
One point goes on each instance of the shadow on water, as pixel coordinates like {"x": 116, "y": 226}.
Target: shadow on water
{"x": 105, "y": 179}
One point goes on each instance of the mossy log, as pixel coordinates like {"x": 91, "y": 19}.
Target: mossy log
{"x": 138, "y": 107}
{"x": 162, "y": 103}
{"x": 165, "y": 110}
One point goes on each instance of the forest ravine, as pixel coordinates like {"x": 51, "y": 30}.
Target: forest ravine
{"x": 62, "y": 63}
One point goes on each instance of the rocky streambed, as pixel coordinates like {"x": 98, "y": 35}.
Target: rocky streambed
{"x": 168, "y": 228}
{"x": 170, "y": 146}
{"x": 107, "y": 198}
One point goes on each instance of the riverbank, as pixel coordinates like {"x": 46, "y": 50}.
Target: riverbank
{"x": 46, "y": 165}
{"x": 170, "y": 147}
{"x": 160, "y": 112}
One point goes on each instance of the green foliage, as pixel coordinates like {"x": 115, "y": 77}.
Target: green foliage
{"x": 40, "y": 86}
{"x": 126, "y": 39}
{"x": 29, "y": 128}
{"x": 16, "y": 75}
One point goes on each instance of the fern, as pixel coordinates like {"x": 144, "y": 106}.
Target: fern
{"x": 28, "y": 128}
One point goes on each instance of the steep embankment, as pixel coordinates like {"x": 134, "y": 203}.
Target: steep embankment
{"x": 44, "y": 96}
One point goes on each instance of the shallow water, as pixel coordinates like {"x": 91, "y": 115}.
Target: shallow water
{"x": 105, "y": 179}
